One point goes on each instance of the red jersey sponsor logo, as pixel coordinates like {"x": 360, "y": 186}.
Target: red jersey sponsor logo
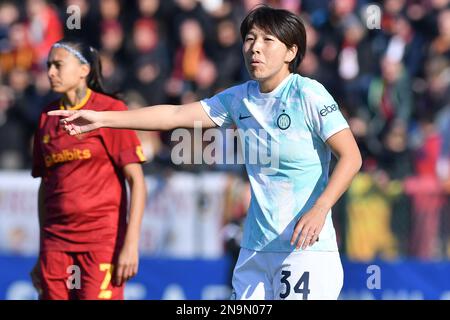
{"x": 66, "y": 155}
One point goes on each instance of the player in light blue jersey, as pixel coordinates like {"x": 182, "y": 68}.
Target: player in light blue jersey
{"x": 289, "y": 248}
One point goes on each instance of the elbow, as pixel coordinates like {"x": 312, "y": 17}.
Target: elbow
{"x": 359, "y": 161}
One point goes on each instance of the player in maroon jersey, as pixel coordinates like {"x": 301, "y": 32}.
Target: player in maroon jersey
{"x": 88, "y": 247}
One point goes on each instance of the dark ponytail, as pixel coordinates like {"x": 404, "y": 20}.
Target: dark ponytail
{"x": 94, "y": 79}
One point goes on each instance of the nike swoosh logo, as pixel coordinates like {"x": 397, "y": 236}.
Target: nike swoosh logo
{"x": 241, "y": 117}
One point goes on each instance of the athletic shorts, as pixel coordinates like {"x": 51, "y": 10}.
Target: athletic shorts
{"x": 298, "y": 275}
{"x": 78, "y": 275}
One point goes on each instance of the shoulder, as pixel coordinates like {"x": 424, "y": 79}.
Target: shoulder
{"x": 310, "y": 88}
{"x": 54, "y": 105}
{"x": 238, "y": 90}
{"x": 102, "y": 102}
{"x": 313, "y": 95}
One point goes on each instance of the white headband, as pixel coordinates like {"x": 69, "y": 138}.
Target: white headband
{"x": 76, "y": 53}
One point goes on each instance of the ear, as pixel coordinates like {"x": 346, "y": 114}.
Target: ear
{"x": 85, "y": 69}
{"x": 291, "y": 53}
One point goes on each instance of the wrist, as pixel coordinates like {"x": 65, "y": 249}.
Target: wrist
{"x": 321, "y": 208}
{"x": 102, "y": 119}
{"x": 131, "y": 241}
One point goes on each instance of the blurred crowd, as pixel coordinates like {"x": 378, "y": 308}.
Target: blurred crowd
{"x": 391, "y": 79}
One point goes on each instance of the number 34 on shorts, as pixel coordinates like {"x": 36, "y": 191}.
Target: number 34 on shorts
{"x": 304, "y": 275}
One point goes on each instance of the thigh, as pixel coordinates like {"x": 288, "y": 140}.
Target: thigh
{"x": 309, "y": 275}
{"x": 97, "y": 272}
{"x": 251, "y": 277}
{"x": 54, "y": 275}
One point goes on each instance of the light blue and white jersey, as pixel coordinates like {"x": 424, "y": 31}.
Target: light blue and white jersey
{"x": 282, "y": 134}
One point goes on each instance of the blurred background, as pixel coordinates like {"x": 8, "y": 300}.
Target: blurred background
{"x": 389, "y": 73}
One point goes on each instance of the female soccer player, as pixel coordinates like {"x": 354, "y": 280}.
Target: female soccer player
{"x": 289, "y": 249}
{"x": 88, "y": 247}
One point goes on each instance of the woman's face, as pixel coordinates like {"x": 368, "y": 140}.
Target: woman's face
{"x": 266, "y": 57}
{"x": 65, "y": 71}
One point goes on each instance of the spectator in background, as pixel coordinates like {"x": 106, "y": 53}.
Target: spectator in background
{"x": 148, "y": 79}
{"x": 227, "y": 54}
{"x": 188, "y": 58}
{"x": 426, "y": 192}
{"x": 110, "y": 10}
{"x": 9, "y": 13}
{"x": 424, "y": 15}
{"x": 20, "y": 82}
{"x": 114, "y": 75}
{"x": 44, "y": 28}
{"x": 391, "y": 10}
{"x": 12, "y": 133}
{"x": 112, "y": 40}
{"x": 406, "y": 45}
{"x": 18, "y": 52}
{"x": 396, "y": 162}
{"x": 355, "y": 63}
{"x": 389, "y": 98}
{"x": 312, "y": 66}
{"x": 150, "y": 9}
{"x": 369, "y": 215}
{"x": 440, "y": 46}
{"x": 149, "y": 42}
{"x": 204, "y": 83}
{"x": 157, "y": 11}
{"x": 436, "y": 93}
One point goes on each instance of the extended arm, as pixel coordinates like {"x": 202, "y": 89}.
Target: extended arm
{"x": 160, "y": 117}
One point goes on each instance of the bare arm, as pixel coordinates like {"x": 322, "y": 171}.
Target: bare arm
{"x": 128, "y": 262}
{"x": 160, "y": 117}
{"x": 349, "y": 162}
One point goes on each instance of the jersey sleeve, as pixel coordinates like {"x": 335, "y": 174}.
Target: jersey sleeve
{"x": 323, "y": 112}
{"x": 37, "y": 167}
{"x": 122, "y": 145}
{"x": 218, "y": 107}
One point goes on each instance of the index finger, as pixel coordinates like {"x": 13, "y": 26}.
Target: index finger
{"x": 120, "y": 274}
{"x": 64, "y": 113}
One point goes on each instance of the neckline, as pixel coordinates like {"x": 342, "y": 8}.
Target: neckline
{"x": 276, "y": 89}
{"x": 80, "y": 105}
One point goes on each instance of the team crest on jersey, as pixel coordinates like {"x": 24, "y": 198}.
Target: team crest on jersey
{"x": 46, "y": 138}
{"x": 283, "y": 121}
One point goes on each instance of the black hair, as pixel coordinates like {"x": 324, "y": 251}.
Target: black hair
{"x": 283, "y": 24}
{"x": 94, "y": 79}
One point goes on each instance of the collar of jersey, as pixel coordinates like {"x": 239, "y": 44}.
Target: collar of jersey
{"x": 276, "y": 90}
{"x": 80, "y": 105}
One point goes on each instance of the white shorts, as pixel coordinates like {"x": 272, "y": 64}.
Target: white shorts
{"x": 307, "y": 275}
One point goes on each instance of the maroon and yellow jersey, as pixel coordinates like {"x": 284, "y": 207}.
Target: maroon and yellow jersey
{"x": 85, "y": 192}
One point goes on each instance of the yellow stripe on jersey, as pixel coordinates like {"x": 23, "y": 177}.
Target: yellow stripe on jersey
{"x": 140, "y": 153}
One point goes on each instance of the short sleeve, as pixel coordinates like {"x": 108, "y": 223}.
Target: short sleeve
{"x": 323, "y": 111}
{"x": 217, "y": 107}
{"x": 122, "y": 145}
